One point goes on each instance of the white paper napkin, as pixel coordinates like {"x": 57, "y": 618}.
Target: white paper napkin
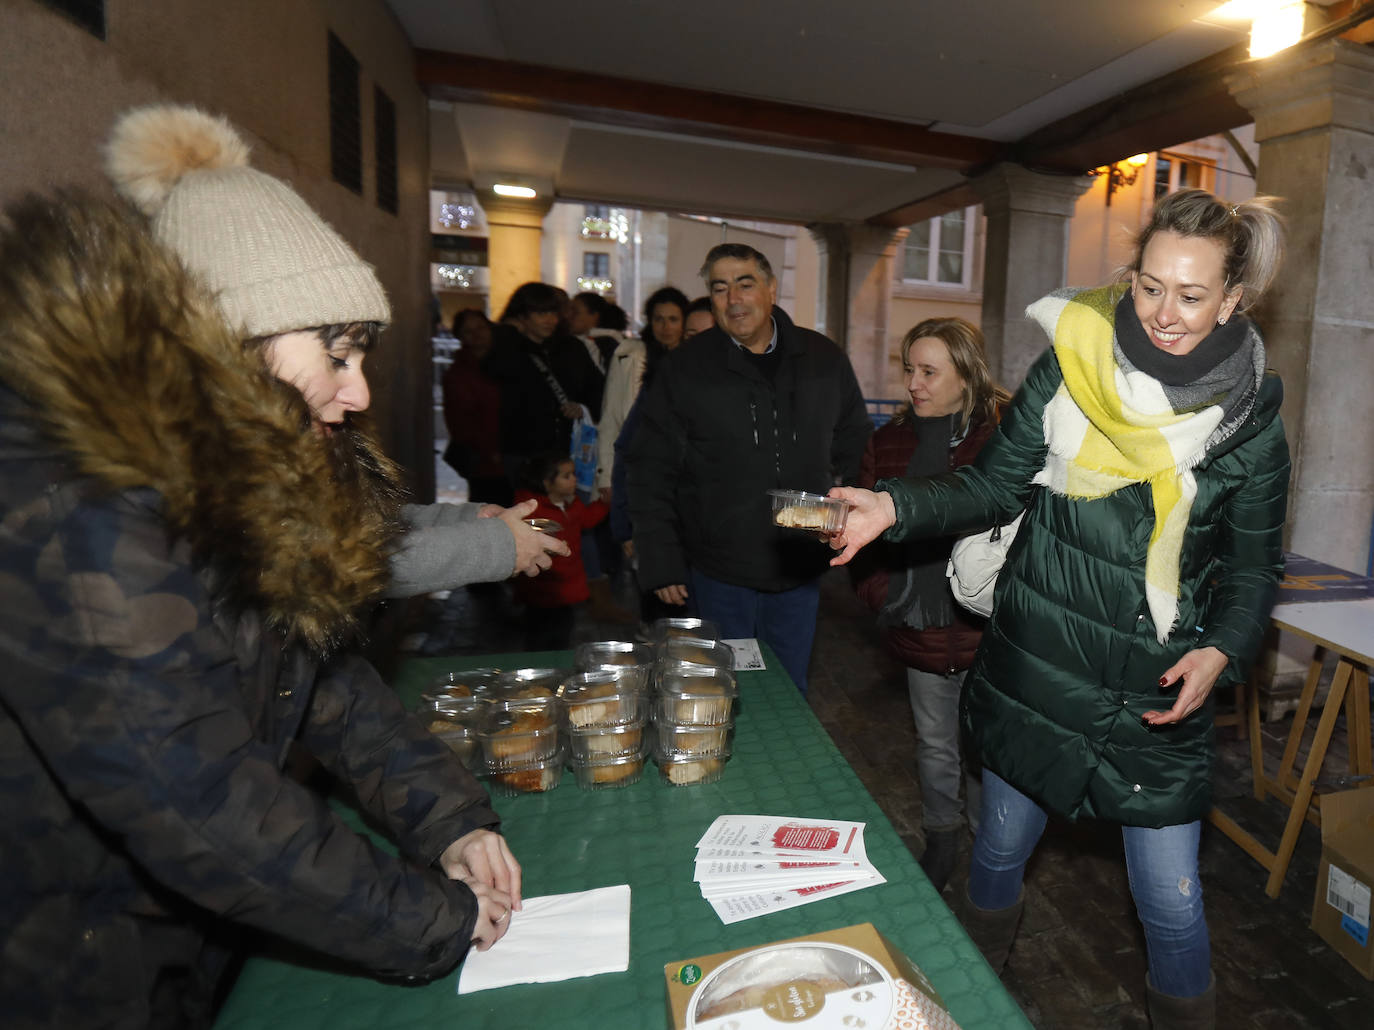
{"x": 557, "y": 937}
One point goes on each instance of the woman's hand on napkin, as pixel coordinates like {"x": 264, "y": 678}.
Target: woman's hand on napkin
{"x": 493, "y": 915}
{"x": 481, "y": 857}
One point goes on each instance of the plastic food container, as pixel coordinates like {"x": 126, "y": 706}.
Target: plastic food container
{"x": 632, "y": 661}
{"x": 695, "y": 695}
{"x": 692, "y": 651}
{"x": 527, "y": 777}
{"x": 464, "y": 683}
{"x": 454, "y": 720}
{"x": 602, "y": 698}
{"x": 522, "y": 684}
{"x": 686, "y": 772}
{"x": 600, "y": 742}
{"x": 685, "y": 740}
{"x": 515, "y": 733}
{"x": 701, "y": 629}
{"x": 796, "y": 509}
{"x": 608, "y": 773}
{"x": 463, "y": 742}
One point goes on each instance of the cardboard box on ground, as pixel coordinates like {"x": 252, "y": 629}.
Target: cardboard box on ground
{"x": 1341, "y": 909}
{"x": 838, "y": 979}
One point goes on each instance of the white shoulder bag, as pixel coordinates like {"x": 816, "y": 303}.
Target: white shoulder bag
{"x": 974, "y": 563}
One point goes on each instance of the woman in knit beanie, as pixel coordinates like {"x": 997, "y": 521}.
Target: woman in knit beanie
{"x": 288, "y": 283}
{"x": 188, "y": 542}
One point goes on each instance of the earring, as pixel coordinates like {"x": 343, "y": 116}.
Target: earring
{"x": 1222, "y": 320}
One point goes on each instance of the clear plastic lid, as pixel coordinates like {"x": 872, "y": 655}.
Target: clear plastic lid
{"x": 702, "y": 629}
{"x": 517, "y": 684}
{"x": 696, "y": 651}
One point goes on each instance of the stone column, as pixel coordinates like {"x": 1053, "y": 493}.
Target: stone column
{"x": 856, "y": 276}
{"x": 514, "y": 240}
{"x": 1314, "y": 122}
{"x": 1026, "y": 257}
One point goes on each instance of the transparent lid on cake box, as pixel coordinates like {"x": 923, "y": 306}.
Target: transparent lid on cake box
{"x": 796, "y": 509}
{"x": 519, "y": 684}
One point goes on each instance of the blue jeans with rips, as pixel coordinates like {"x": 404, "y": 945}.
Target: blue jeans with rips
{"x": 786, "y": 620}
{"x": 1161, "y": 864}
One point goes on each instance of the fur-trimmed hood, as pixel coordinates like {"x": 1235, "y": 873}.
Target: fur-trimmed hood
{"x": 128, "y": 369}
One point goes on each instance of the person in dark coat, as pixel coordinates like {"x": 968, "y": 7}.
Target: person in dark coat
{"x": 192, "y": 530}
{"x": 543, "y": 378}
{"x": 752, "y": 405}
{"x": 954, "y": 409}
{"x": 1147, "y": 452}
{"x": 472, "y": 413}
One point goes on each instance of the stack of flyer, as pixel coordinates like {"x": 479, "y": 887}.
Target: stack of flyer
{"x": 751, "y": 865}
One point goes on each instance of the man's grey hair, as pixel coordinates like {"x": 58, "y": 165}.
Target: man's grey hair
{"x": 738, "y": 251}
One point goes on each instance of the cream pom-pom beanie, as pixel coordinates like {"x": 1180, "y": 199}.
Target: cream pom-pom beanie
{"x": 272, "y": 263}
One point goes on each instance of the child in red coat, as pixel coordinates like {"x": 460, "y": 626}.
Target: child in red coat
{"x": 549, "y": 597}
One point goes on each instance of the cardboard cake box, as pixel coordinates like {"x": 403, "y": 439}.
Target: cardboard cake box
{"x": 1341, "y": 909}
{"x": 841, "y": 978}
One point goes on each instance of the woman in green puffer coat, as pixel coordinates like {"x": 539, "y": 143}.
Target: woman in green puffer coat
{"x": 1146, "y": 449}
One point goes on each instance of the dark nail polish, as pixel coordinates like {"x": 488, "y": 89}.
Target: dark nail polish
{"x": 1163, "y": 681}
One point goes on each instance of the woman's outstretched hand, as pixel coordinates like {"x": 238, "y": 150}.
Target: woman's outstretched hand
{"x": 1196, "y": 673}
{"x": 870, "y": 515}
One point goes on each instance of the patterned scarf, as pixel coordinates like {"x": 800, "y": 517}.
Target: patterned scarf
{"x": 1111, "y": 425}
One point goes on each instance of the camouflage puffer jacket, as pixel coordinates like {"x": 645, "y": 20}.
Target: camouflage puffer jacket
{"x": 178, "y": 557}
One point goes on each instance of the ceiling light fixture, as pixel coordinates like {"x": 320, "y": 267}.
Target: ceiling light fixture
{"x": 502, "y": 189}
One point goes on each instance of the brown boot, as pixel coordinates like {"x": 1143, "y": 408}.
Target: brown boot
{"x": 992, "y": 929}
{"x": 1170, "y": 1013}
{"x": 603, "y": 605}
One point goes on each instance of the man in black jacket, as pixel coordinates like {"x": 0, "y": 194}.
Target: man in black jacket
{"x": 754, "y": 404}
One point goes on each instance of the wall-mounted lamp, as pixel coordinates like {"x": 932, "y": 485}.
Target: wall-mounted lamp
{"x": 504, "y": 189}
{"x": 1121, "y": 173}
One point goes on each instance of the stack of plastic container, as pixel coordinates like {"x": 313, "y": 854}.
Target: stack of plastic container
{"x": 519, "y": 732}
{"x": 605, "y": 710}
{"x": 693, "y": 707}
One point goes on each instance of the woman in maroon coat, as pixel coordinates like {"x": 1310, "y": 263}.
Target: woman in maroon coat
{"x": 954, "y": 409}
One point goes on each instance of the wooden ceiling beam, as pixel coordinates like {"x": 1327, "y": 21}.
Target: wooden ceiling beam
{"x": 692, "y": 112}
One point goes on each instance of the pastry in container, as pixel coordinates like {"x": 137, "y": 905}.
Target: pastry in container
{"x": 686, "y": 772}
{"x": 814, "y": 513}
{"x": 604, "y": 697}
{"x": 523, "y": 684}
{"x": 685, "y": 740}
{"x": 593, "y": 742}
{"x": 455, "y": 720}
{"x": 514, "y": 733}
{"x": 534, "y": 777}
{"x": 696, "y": 651}
{"x": 633, "y": 661}
{"x": 608, "y": 771}
{"x": 697, "y": 694}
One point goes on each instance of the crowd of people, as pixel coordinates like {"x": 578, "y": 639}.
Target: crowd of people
{"x": 195, "y": 519}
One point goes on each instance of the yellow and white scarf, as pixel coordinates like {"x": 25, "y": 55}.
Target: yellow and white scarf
{"x": 1109, "y": 426}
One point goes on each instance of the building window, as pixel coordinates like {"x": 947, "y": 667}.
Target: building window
{"x": 940, "y": 250}
{"x": 596, "y": 222}
{"x": 345, "y": 117}
{"x": 384, "y": 131}
{"x": 596, "y": 265}
{"x": 89, "y": 14}
{"x": 1174, "y": 172}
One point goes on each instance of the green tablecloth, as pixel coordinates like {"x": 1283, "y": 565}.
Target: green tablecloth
{"x": 568, "y": 840}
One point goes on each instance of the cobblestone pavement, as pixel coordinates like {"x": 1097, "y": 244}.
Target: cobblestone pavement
{"x": 1078, "y": 963}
